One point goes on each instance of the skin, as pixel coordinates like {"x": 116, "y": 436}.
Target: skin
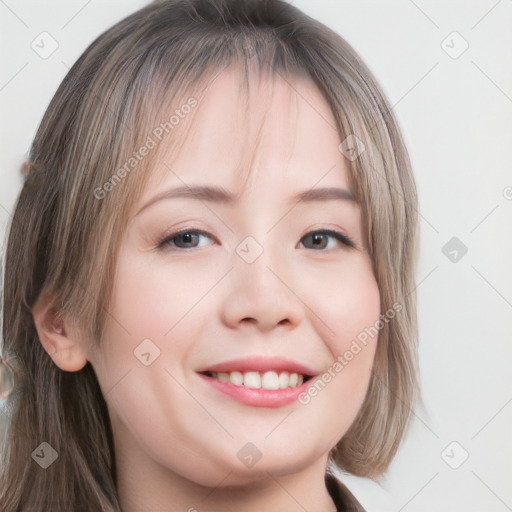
{"x": 176, "y": 438}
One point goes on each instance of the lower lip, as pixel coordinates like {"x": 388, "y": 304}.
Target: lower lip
{"x": 257, "y": 397}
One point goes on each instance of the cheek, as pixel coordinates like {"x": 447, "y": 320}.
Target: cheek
{"x": 154, "y": 301}
{"x": 347, "y": 311}
{"x": 143, "y": 309}
{"x": 347, "y": 302}
{"x": 155, "y": 318}
{"x": 145, "y": 348}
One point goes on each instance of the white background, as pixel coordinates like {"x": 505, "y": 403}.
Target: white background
{"x": 456, "y": 115}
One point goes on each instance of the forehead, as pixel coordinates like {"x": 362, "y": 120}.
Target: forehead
{"x": 278, "y": 130}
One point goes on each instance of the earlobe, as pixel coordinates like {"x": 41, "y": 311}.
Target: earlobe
{"x": 65, "y": 348}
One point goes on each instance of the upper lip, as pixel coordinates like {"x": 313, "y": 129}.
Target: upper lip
{"x": 260, "y": 364}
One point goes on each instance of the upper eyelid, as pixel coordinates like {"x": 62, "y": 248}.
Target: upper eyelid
{"x": 335, "y": 234}
{"x": 165, "y": 238}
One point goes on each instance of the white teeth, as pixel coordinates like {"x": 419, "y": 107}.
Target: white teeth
{"x": 265, "y": 380}
{"x": 236, "y": 378}
{"x": 252, "y": 380}
{"x": 284, "y": 379}
{"x": 270, "y": 380}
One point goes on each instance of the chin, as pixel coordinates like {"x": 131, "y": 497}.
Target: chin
{"x": 250, "y": 465}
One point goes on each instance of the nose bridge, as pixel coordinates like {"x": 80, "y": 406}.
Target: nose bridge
{"x": 262, "y": 255}
{"x": 258, "y": 293}
{"x": 255, "y": 260}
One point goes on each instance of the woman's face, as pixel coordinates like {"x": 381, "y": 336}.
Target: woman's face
{"x": 257, "y": 290}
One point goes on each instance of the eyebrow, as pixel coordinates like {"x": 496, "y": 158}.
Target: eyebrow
{"x": 216, "y": 194}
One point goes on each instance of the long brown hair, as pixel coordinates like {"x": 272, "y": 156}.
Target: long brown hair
{"x": 73, "y": 207}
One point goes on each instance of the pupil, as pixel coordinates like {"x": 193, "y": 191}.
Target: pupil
{"x": 317, "y": 239}
{"x": 187, "y": 238}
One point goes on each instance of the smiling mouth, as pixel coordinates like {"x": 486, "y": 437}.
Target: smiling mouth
{"x": 270, "y": 380}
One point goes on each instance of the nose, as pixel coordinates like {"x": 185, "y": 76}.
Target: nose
{"x": 261, "y": 294}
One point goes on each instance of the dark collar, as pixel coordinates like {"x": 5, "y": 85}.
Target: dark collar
{"x": 345, "y": 501}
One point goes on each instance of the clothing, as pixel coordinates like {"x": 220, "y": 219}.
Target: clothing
{"x": 344, "y": 500}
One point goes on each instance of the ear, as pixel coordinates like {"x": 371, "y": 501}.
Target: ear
{"x": 58, "y": 339}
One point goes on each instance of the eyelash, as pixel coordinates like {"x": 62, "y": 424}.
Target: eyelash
{"x": 341, "y": 237}
{"x": 164, "y": 243}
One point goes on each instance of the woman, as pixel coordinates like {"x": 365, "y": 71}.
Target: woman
{"x": 207, "y": 296}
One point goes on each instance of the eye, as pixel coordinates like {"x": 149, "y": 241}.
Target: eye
{"x": 187, "y": 239}
{"x": 325, "y": 239}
